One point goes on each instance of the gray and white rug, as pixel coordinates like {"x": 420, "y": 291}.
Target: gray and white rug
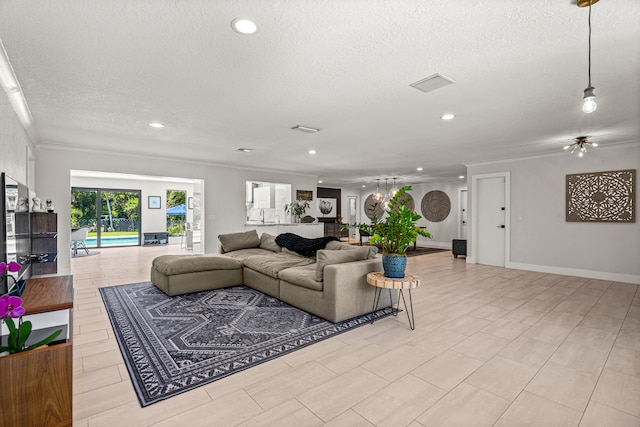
{"x": 175, "y": 344}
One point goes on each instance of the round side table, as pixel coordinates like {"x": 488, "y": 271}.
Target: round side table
{"x": 381, "y": 282}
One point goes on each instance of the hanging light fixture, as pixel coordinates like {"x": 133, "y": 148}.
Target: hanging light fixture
{"x": 393, "y": 190}
{"x": 580, "y": 145}
{"x": 378, "y": 196}
{"x": 386, "y": 198}
{"x": 589, "y": 100}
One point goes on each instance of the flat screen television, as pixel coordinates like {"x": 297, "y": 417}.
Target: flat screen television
{"x": 15, "y": 232}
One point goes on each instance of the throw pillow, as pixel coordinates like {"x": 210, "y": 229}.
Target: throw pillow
{"x": 235, "y": 241}
{"x": 328, "y": 257}
{"x": 341, "y": 246}
{"x": 268, "y": 241}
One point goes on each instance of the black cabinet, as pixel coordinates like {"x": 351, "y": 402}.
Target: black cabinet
{"x": 459, "y": 247}
{"x": 44, "y": 243}
{"x": 159, "y": 238}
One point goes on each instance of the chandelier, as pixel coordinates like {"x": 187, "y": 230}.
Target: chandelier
{"x": 385, "y": 197}
{"x": 580, "y": 145}
{"x": 589, "y": 99}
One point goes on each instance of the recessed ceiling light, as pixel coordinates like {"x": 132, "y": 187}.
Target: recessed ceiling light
{"x": 245, "y": 150}
{"x": 319, "y": 181}
{"x": 461, "y": 177}
{"x": 447, "y": 116}
{"x": 364, "y": 186}
{"x": 305, "y": 129}
{"x": 243, "y": 26}
{"x": 312, "y": 151}
{"x": 156, "y": 125}
{"x": 419, "y": 169}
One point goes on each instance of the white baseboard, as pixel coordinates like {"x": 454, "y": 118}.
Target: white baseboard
{"x": 590, "y": 274}
{"x": 428, "y": 243}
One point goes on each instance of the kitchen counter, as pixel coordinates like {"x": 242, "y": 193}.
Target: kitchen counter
{"x": 308, "y": 230}
{"x": 268, "y": 224}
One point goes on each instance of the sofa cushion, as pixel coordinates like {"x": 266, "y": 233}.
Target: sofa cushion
{"x": 268, "y": 241}
{"x": 170, "y": 265}
{"x": 302, "y": 276}
{"x": 292, "y": 253}
{"x": 234, "y": 241}
{"x": 271, "y": 265}
{"x": 372, "y": 250}
{"x": 243, "y": 254}
{"x": 326, "y": 257}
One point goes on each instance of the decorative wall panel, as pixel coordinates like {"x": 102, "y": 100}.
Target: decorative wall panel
{"x": 436, "y": 206}
{"x": 371, "y": 208}
{"x": 601, "y": 196}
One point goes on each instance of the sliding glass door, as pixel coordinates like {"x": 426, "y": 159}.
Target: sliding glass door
{"x": 113, "y": 216}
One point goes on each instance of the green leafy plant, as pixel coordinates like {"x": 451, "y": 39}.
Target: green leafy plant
{"x": 297, "y": 207}
{"x": 398, "y": 230}
{"x": 11, "y": 308}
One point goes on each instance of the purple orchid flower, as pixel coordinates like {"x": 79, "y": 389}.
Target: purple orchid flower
{"x": 10, "y": 306}
{"x": 11, "y": 267}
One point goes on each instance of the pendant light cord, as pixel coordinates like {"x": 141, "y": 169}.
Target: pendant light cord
{"x": 589, "y": 43}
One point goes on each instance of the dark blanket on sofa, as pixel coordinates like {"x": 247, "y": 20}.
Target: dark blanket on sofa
{"x": 302, "y": 245}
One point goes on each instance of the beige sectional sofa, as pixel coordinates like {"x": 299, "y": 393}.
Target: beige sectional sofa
{"x": 331, "y": 285}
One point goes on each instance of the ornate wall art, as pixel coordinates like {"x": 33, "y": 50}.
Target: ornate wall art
{"x": 370, "y": 210}
{"x": 602, "y": 196}
{"x": 436, "y": 206}
{"x": 304, "y": 195}
{"x": 411, "y": 204}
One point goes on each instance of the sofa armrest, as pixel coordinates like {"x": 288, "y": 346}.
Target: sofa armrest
{"x": 346, "y": 283}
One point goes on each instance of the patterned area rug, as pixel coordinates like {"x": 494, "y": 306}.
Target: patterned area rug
{"x": 175, "y": 344}
{"x": 421, "y": 250}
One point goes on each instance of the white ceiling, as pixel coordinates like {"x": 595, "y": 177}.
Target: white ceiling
{"x": 95, "y": 73}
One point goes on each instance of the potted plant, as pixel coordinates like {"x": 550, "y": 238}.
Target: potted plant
{"x": 395, "y": 233}
{"x": 297, "y": 208}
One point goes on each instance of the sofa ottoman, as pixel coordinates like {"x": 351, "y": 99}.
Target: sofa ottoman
{"x": 183, "y": 274}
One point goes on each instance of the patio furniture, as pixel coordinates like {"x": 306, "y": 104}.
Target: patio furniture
{"x": 77, "y": 239}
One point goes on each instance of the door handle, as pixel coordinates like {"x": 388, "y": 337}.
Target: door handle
{"x": 499, "y": 226}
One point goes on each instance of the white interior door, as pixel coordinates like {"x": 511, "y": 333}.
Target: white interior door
{"x": 491, "y": 221}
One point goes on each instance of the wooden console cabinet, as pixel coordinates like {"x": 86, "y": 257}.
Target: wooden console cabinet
{"x": 36, "y": 385}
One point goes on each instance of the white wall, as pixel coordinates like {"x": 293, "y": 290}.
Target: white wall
{"x": 224, "y": 209}
{"x": 542, "y": 240}
{"x": 152, "y": 220}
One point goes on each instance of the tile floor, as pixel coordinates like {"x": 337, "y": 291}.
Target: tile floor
{"x": 492, "y": 347}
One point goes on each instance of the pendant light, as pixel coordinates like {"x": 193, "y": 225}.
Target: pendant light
{"x": 386, "y": 198}
{"x": 393, "y": 190}
{"x": 589, "y": 100}
{"x": 378, "y": 196}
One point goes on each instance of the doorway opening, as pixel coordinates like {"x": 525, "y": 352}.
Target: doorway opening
{"x": 176, "y": 212}
{"x": 155, "y": 194}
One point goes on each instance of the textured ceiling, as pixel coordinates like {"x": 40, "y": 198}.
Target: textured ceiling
{"x": 95, "y": 73}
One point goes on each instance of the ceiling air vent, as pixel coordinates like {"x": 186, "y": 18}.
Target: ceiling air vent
{"x": 433, "y": 82}
{"x": 307, "y": 129}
